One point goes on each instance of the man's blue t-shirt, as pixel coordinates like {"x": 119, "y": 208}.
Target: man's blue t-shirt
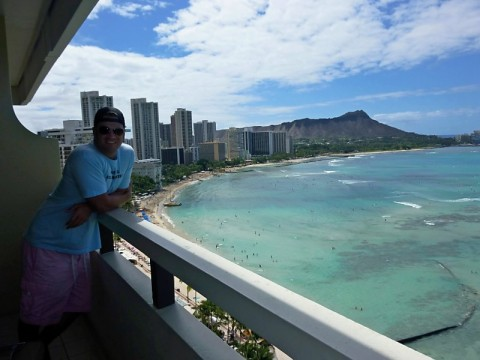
{"x": 87, "y": 173}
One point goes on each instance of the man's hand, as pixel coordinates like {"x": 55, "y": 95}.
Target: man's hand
{"x": 80, "y": 213}
{"x": 127, "y": 191}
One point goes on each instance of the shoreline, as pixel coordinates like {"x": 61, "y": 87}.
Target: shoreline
{"x": 154, "y": 205}
{"x": 155, "y": 209}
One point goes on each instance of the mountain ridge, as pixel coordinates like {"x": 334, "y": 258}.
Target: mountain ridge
{"x": 354, "y": 124}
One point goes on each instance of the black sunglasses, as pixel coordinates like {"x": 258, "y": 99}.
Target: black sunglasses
{"x": 104, "y": 130}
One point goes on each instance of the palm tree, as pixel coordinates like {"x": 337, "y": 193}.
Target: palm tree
{"x": 251, "y": 345}
{"x": 210, "y": 315}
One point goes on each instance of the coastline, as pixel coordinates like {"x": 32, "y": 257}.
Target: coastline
{"x": 154, "y": 205}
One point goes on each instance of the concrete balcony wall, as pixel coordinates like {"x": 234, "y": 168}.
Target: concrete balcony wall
{"x": 299, "y": 327}
{"x": 130, "y": 327}
{"x": 29, "y": 171}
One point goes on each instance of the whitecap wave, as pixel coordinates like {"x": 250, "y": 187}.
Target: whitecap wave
{"x": 352, "y": 182}
{"x": 462, "y": 200}
{"x": 433, "y": 222}
{"x": 168, "y": 219}
{"x": 316, "y": 173}
{"x": 416, "y": 206}
{"x": 335, "y": 162}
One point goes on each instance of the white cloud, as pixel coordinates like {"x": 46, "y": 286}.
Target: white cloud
{"x": 127, "y": 9}
{"x": 232, "y": 47}
{"x": 299, "y": 42}
{"x": 126, "y": 76}
{"x": 423, "y": 115}
{"x": 432, "y": 28}
{"x": 417, "y": 93}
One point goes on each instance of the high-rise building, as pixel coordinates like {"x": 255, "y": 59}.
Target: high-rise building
{"x": 181, "y": 129}
{"x": 245, "y": 142}
{"x": 204, "y": 131}
{"x": 145, "y": 129}
{"x": 173, "y": 156}
{"x": 69, "y": 137}
{"x": 237, "y": 144}
{"x": 476, "y": 137}
{"x": 165, "y": 135}
{"x": 151, "y": 168}
{"x": 269, "y": 142}
{"x": 91, "y": 102}
{"x": 212, "y": 151}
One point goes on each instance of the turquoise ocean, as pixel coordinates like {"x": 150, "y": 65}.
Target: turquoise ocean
{"x": 390, "y": 240}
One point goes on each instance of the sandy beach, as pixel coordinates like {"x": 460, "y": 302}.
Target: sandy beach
{"x": 154, "y": 208}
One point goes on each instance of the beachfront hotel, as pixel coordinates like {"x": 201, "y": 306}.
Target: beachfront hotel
{"x": 69, "y": 137}
{"x": 151, "y": 168}
{"x": 268, "y": 142}
{"x": 245, "y": 143}
{"x": 135, "y": 317}
{"x": 205, "y": 131}
{"x": 165, "y": 135}
{"x": 181, "y": 128}
{"x": 91, "y": 101}
{"x": 145, "y": 129}
{"x": 212, "y": 151}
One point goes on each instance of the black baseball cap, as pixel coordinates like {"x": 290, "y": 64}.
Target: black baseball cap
{"x": 110, "y": 114}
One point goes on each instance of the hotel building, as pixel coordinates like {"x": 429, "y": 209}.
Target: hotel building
{"x": 181, "y": 128}
{"x": 69, "y": 137}
{"x": 204, "y": 131}
{"x": 151, "y": 168}
{"x": 212, "y": 151}
{"x": 91, "y": 102}
{"x": 145, "y": 129}
{"x": 244, "y": 143}
{"x": 165, "y": 135}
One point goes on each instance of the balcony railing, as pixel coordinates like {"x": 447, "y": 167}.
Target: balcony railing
{"x": 299, "y": 327}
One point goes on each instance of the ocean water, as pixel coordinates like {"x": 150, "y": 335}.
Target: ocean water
{"x": 390, "y": 240}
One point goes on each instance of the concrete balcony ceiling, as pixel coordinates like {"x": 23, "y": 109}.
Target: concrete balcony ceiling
{"x": 37, "y": 32}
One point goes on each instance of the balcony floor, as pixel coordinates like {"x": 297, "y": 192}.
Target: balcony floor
{"x": 76, "y": 343}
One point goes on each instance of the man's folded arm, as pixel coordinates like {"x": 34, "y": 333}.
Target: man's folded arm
{"x": 106, "y": 202}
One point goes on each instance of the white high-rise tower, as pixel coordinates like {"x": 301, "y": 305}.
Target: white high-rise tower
{"x": 181, "y": 128}
{"x": 204, "y": 131}
{"x": 91, "y": 102}
{"x": 145, "y": 129}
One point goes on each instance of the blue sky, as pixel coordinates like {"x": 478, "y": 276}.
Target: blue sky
{"x": 414, "y": 65}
